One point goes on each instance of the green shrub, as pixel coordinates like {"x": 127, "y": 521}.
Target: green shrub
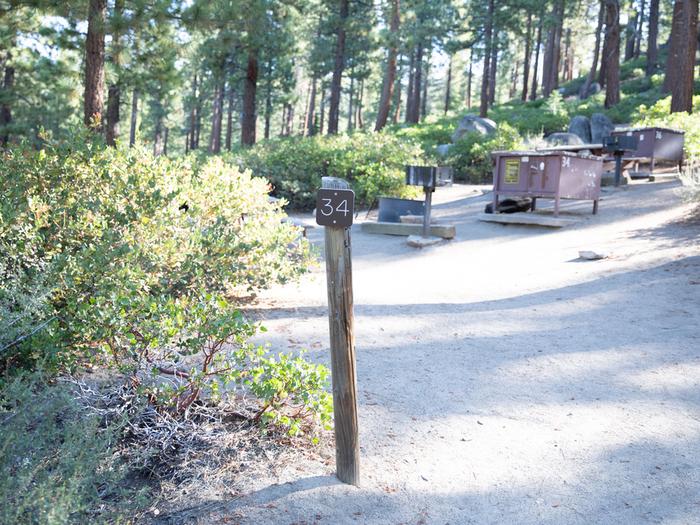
{"x": 428, "y": 134}
{"x": 373, "y": 163}
{"x": 540, "y": 117}
{"x": 57, "y": 462}
{"x": 146, "y": 259}
{"x": 470, "y": 156}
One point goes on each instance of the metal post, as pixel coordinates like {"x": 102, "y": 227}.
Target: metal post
{"x": 426, "y": 214}
{"x": 618, "y": 167}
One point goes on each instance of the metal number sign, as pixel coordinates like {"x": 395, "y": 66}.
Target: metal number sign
{"x": 335, "y": 207}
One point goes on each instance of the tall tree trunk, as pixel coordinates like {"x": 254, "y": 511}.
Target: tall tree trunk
{"x": 166, "y": 134}
{"x": 268, "y": 99}
{"x": 631, "y": 32}
{"x": 250, "y": 86}
{"x": 469, "y": 78}
{"x": 310, "y": 125}
{"x": 290, "y": 120}
{"x": 612, "y": 60}
{"x": 397, "y": 96}
{"x": 680, "y": 66}
{"x": 339, "y": 65}
{"x": 653, "y": 33}
{"x": 538, "y": 45}
{"x": 552, "y": 55}
{"x": 134, "y": 116}
{"x": 217, "y": 111}
{"x": 596, "y": 53}
{"x": 448, "y": 87}
{"x": 638, "y": 32}
{"x": 486, "y": 75}
{"x": 390, "y": 71}
{"x": 568, "y": 69}
{"x": 95, "y": 65}
{"x": 158, "y": 129}
{"x": 5, "y": 109}
{"x": 514, "y": 80}
{"x": 360, "y": 101}
{"x": 229, "y": 116}
{"x": 351, "y": 96}
{"x": 424, "y": 95}
{"x": 114, "y": 91}
{"x": 322, "y": 110}
{"x": 528, "y": 52}
{"x": 493, "y": 69}
{"x": 413, "y": 109}
{"x": 411, "y": 85}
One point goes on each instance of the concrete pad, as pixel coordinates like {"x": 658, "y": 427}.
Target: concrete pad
{"x": 417, "y": 241}
{"x": 663, "y": 177}
{"x": 527, "y": 218}
{"x": 446, "y": 231}
{"x": 416, "y": 219}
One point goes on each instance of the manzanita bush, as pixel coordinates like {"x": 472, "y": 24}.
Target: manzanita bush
{"x": 114, "y": 256}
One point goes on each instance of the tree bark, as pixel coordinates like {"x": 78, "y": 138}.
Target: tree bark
{"x": 486, "y": 74}
{"x": 469, "y": 78}
{"x": 339, "y": 65}
{"x": 411, "y": 85}
{"x": 360, "y": 101}
{"x": 390, "y": 71}
{"x": 217, "y": 110}
{"x": 351, "y": 96}
{"x": 448, "y": 87}
{"x": 596, "y": 53}
{"x": 114, "y": 91}
{"x": 134, "y": 116}
{"x": 322, "y": 110}
{"x": 413, "y": 108}
{"x": 424, "y": 95}
{"x": 95, "y": 65}
{"x": 638, "y": 31}
{"x": 631, "y": 33}
{"x": 397, "y": 96}
{"x": 310, "y": 125}
{"x": 5, "y": 109}
{"x": 268, "y": 99}
{"x": 493, "y": 69}
{"x": 229, "y": 117}
{"x": 680, "y": 66}
{"x": 653, "y": 33}
{"x": 538, "y": 45}
{"x": 528, "y": 52}
{"x": 612, "y": 59}
{"x": 250, "y": 86}
{"x": 550, "y": 70}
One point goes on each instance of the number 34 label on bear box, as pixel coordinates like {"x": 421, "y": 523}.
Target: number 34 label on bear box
{"x": 335, "y": 207}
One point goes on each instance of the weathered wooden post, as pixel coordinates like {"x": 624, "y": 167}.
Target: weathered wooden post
{"x": 334, "y": 210}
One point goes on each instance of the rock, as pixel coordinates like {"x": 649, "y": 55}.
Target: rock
{"x": 581, "y": 126}
{"x": 416, "y": 241}
{"x": 590, "y": 255}
{"x": 563, "y": 139}
{"x": 513, "y": 205}
{"x": 443, "y": 149}
{"x": 472, "y": 123}
{"x": 601, "y": 126}
{"x": 592, "y": 90}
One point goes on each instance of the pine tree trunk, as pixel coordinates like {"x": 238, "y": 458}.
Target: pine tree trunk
{"x": 528, "y": 52}
{"x": 290, "y": 120}
{"x": 413, "y": 109}
{"x": 322, "y": 110}
{"x": 250, "y": 86}
{"x": 217, "y": 110}
{"x": 351, "y": 96}
{"x": 550, "y": 70}
{"x": 612, "y": 45}
{"x": 448, "y": 87}
{"x": 166, "y": 134}
{"x": 568, "y": 69}
{"x": 134, "y": 116}
{"x": 310, "y": 125}
{"x": 409, "y": 90}
{"x": 336, "y": 81}
{"x": 397, "y": 96}
{"x": 158, "y": 130}
{"x": 268, "y": 99}
{"x": 630, "y": 33}
{"x": 95, "y": 65}
{"x": 360, "y": 102}
{"x": 538, "y": 45}
{"x": 114, "y": 91}
{"x": 229, "y": 117}
{"x": 390, "y": 71}
{"x": 596, "y": 53}
{"x": 424, "y": 95}
{"x": 5, "y": 109}
{"x": 469, "y": 78}
{"x": 653, "y": 33}
{"x": 638, "y": 31}
{"x": 680, "y": 67}
{"x": 486, "y": 74}
{"x": 493, "y": 69}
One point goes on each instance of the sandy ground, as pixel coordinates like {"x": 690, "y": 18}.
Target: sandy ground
{"x": 503, "y": 380}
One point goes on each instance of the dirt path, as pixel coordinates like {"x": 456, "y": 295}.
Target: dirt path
{"x": 502, "y": 380}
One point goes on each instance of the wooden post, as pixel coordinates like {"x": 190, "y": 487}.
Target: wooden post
{"x": 341, "y": 321}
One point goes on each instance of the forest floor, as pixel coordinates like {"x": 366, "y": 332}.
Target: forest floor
{"x": 503, "y": 379}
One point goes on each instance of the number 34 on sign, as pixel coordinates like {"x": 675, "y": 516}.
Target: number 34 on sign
{"x": 335, "y": 207}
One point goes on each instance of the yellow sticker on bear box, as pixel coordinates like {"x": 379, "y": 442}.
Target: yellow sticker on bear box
{"x": 512, "y": 171}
